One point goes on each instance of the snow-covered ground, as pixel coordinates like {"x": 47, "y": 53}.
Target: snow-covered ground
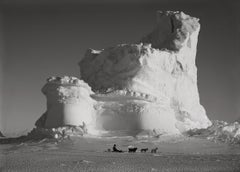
{"x": 90, "y": 154}
{"x": 219, "y": 131}
{"x": 70, "y": 148}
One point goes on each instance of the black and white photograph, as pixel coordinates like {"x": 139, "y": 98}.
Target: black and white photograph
{"x": 119, "y": 86}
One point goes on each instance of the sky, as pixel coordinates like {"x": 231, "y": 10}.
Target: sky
{"x": 39, "y": 39}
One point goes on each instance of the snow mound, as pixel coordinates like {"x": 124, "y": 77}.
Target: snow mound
{"x": 219, "y": 131}
{"x": 58, "y": 132}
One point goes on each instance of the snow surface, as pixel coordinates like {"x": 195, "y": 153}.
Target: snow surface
{"x": 148, "y": 86}
{"x": 219, "y": 131}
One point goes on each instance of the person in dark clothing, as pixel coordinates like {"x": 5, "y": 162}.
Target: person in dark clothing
{"x": 115, "y": 149}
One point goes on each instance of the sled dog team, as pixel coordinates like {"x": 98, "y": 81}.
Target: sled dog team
{"x": 132, "y": 149}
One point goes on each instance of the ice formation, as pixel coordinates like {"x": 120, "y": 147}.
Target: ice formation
{"x": 150, "y": 85}
{"x": 153, "y": 84}
{"x": 219, "y": 131}
{"x": 68, "y": 103}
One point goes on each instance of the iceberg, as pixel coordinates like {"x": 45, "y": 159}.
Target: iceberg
{"x": 151, "y": 84}
{"x": 146, "y": 86}
{"x": 68, "y": 103}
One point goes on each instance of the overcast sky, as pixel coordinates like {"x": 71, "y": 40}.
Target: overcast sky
{"x": 38, "y": 40}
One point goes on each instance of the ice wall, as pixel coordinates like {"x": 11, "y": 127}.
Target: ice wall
{"x": 147, "y": 86}
{"x": 68, "y": 103}
{"x": 161, "y": 66}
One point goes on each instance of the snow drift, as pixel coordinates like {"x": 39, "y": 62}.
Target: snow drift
{"x": 150, "y": 85}
{"x": 219, "y": 131}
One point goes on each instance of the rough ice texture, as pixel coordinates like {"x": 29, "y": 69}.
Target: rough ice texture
{"x": 148, "y": 86}
{"x": 68, "y": 103}
{"x": 157, "y": 79}
{"x": 219, "y": 131}
{"x": 172, "y": 30}
{"x": 57, "y": 133}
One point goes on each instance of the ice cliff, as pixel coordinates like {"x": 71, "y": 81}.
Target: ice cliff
{"x": 68, "y": 103}
{"x": 160, "y": 70}
{"x": 149, "y": 85}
